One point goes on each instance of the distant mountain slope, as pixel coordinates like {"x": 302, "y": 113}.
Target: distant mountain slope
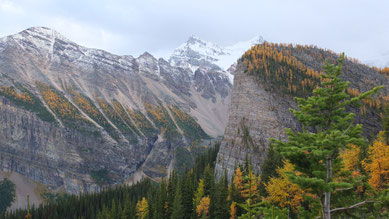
{"x": 74, "y": 117}
{"x": 267, "y": 78}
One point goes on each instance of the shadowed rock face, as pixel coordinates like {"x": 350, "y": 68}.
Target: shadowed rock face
{"x": 259, "y": 109}
{"x": 255, "y": 116}
{"x": 67, "y": 111}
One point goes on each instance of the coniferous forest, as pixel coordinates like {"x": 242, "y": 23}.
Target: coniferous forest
{"x": 327, "y": 169}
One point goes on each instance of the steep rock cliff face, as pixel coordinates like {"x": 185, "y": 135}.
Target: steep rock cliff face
{"x": 255, "y": 116}
{"x": 58, "y": 156}
{"x": 267, "y": 77}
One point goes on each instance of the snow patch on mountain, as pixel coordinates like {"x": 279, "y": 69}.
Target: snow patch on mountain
{"x": 41, "y": 37}
{"x": 196, "y": 53}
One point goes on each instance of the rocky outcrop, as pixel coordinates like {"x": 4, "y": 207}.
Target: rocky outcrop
{"x": 255, "y": 116}
{"x": 259, "y": 105}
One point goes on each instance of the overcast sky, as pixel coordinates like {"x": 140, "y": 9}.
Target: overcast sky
{"x": 359, "y": 28}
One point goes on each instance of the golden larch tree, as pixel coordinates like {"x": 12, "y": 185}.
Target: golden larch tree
{"x": 203, "y": 208}
{"x": 377, "y": 163}
{"x": 283, "y": 192}
{"x": 142, "y": 209}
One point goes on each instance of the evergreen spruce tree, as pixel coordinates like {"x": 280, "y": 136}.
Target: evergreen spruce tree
{"x": 171, "y": 188}
{"x": 222, "y": 204}
{"x": 161, "y": 201}
{"x": 327, "y": 128}
{"x": 177, "y": 211}
{"x": 120, "y": 211}
{"x": 269, "y": 167}
{"x": 127, "y": 207}
{"x": 187, "y": 194}
{"x": 208, "y": 180}
{"x": 113, "y": 213}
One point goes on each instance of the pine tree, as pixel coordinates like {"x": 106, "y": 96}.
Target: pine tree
{"x": 272, "y": 162}
{"x": 120, "y": 211}
{"x": 171, "y": 189}
{"x": 327, "y": 128}
{"x": 208, "y": 180}
{"x": 161, "y": 201}
{"x": 221, "y": 195}
{"x": 113, "y": 213}
{"x": 127, "y": 207}
{"x": 187, "y": 195}
{"x": 177, "y": 211}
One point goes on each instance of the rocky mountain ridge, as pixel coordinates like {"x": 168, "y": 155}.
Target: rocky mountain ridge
{"x": 74, "y": 117}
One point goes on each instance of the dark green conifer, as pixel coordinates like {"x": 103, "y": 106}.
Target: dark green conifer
{"x": 327, "y": 128}
{"x": 177, "y": 210}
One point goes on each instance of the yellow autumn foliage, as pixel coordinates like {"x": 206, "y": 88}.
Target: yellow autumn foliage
{"x": 247, "y": 185}
{"x": 203, "y": 207}
{"x": 88, "y": 107}
{"x": 142, "y": 209}
{"x": 283, "y": 192}
{"x": 350, "y": 158}
{"x": 59, "y": 104}
{"x": 276, "y": 61}
{"x": 10, "y": 92}
{"x": 156, "y": 112}
{"x": 251, "y": 187}
{"x": 233, "y": 211}
{"x": 108, "y": 110}
{"x": 140, "y": 121}
{"x": 123, "y": 114}
{"x": 238, "y": 179}
{"x": 377, "y": 164}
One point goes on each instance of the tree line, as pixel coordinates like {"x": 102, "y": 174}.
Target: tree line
{"x": 325, "y": 170}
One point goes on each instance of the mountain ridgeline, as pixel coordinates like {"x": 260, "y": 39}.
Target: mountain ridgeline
{"x": 77, "y": 118}
{"x": 266, "y": 79}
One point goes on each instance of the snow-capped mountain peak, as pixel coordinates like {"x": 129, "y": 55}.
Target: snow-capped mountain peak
{"x": 36, "y": 34}
{"x": 42, "y": 38}
{"x": 196, "y": 53}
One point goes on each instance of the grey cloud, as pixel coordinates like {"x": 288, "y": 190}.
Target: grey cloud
{"x": 358, "y": 28}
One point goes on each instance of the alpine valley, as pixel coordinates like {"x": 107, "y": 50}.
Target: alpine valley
{"x": 77, "y": 119}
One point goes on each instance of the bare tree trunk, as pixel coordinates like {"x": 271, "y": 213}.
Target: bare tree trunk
{"x": 327, "y": 197}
